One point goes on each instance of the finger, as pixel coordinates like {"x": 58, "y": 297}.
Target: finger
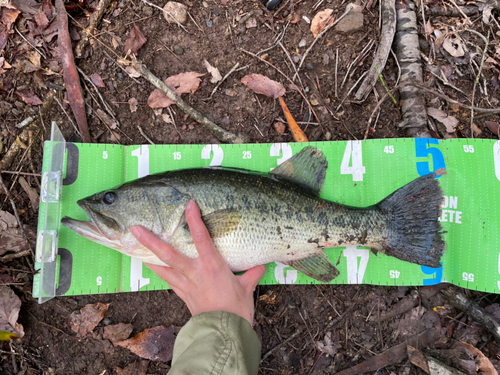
{"x": 251, "y": 278}
{"x": 199, "y": 233}
{"x": 167, "y": 254}
{"x": 171, "y": 277}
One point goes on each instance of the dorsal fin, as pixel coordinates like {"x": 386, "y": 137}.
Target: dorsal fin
{"x": 306, "y": 169}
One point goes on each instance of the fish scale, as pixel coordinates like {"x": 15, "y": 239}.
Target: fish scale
{"x": 257, "y": 219}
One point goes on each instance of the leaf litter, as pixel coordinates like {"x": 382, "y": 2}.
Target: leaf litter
{"x": 10, "y": 304}
{"x": 117, "y": 332}
{"x": 263, "y": 85}
{"x": 216, "y": 76}
{"x": 183, "y": 83}
{"x": 321, "y": 21}
{"x": 87, "y": 318}
{"x": 155, "y": 344}
{"x": 135, "y": 41}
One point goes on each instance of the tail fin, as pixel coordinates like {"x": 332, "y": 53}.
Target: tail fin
{"x": 414, "y": 232}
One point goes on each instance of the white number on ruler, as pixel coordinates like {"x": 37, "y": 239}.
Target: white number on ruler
{"x": 177, "y": 156}
{"x": 218, "y": 154}
{"x": 468, "y": 277}
{"x": 136, "y": 279}
{"x": 355, "y": 274}
{"x": 99, "y": 280}
{"x": 469, "y": 148}
{"x": 389, "y": 149}
{"x": 284, "y": 148}
{"x": 496, "y": 158}
{"x": 247, "y": 154}
{"x": 104, "y": 154}
{"x": 353, "y": 152}
{"x": 394, "y": 274}
{"x": 284, "y": 277}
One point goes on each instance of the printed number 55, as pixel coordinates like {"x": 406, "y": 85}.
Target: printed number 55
{"x": 423, "y": 149}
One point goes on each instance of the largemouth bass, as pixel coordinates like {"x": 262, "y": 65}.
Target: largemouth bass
{"x": 256, "y": 219}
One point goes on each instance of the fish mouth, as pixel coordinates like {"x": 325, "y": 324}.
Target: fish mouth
{"x": 92, "y": 229}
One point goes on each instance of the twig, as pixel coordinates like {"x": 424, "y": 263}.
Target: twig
{"x": 69, "y": 118}
{"x": 95, "y": 18}
{"x": 221, "y": 134}
{"x": 385, "y": 86}
{"x": 192, "y": 19}
{"x": 173, "y": 121}
{"x": 336, "y": 66}
{"x": 377, "y": 107}
{"x": 7, "y": 192}
{"x": 224, "y": 78}
{"x": 9, "y": 257}
{"x": 23, "y": 173}
{"x": 27, "y": 41}
{"x": 144, "y": 135}
{"x": 347, "y": 10}
{"x": 291, "y": 62}
{"x": 399, "y": 66}
{"x": 476, "y": 312}
{"x": 475, "y": 83}
{"x": 298, "y": 332}
{"x": 15, "y": 147}
{"x": 461, "y": 12}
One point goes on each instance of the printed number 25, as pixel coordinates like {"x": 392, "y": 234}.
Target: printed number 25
{"x": 423, "y": 148}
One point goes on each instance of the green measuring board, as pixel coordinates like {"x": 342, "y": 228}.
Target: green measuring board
{"x": 360, "y": 174}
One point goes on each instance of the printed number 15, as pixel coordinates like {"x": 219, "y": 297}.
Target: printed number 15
{"x": 423, "y": 149}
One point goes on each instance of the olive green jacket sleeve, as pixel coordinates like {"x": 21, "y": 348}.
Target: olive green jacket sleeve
{"x": 216, "y": 343}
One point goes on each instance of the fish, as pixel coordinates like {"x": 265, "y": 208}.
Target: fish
{"x": 256, "y": 218}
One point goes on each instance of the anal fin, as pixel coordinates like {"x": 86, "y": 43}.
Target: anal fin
{"x": 317, "y": 266}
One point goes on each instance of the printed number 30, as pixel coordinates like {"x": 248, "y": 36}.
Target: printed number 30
{"x": 423, "y": 149}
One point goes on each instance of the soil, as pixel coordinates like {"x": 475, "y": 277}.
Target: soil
{"x": 350, "y": 313}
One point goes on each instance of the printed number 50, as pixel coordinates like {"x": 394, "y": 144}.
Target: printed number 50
{"x": 423, "y": 149}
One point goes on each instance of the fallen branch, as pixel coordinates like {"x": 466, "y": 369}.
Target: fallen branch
{"x": 429, "y": 364}
{"x": 9, "y": 257}
{"x": 15, "y": 147}
{"x": 71, "y": 78}
{"x": 476, "y": 312}
{"x": 383, "y": 50}
{"x": 452, "y": 12}
{"x": 95, "y": 18}
{"x": 394, "y": 355}
{"x": 221, "y": 134}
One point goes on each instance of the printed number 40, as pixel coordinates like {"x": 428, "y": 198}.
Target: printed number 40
{"x": 353, "y": 152}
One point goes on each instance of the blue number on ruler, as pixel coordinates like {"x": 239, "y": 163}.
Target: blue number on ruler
{"x": 423, "y": 150}
{"x": 431, "y": 271}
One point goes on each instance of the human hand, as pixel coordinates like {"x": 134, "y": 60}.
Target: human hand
{"x": 205, "y": 283}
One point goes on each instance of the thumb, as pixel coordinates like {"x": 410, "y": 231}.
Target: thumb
{"x": 252, "y": 277}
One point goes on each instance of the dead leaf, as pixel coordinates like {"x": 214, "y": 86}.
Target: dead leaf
{"x": 32, "y": 192}
{"x": 494, "y": 127}
{"x": 428, "y": 28}
{"x": 12, "y": 240}
{"x": 115, "y": 43}
{"x": 96, "y": 78}
{"x": 263, "y": 85}
{"x": 7, "y": 220}
{"x": 8, "y": 17}
{"x": 4, "y": 65}
{"x": 41, "y": 19}
{"x": 166, "y": 118}
{"x": 182, "y": 83}
{"x": 117, "y": 332}
{"x": 34, "y": 58}
{"x": 453, "y": 46}
{"x": 135, "y": 40}
{"x": 156, "y": 343}
{"x": 326, "y": 346}
{"x": 279, "y": 127}
{"x": 133, "y": 104}
{"x": 10, "y": 304}
{"x": 136, "y": 368}
{"x": 26, "y": 6}
{"x": 483, "y": 364}
{"x": 132, "y": 72}
{"x": 476, "y": 130}
{"x": 321, "y": 21}
{"x": 449, "y": 121}
{"x": 252, "y": 22}
{"x": 295, "y": 18}
{"x": 216, "y": 76}
{"x": 89, "y": 316}
{"x": 29, "y": 97}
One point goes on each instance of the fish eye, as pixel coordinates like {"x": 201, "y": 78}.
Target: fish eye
{"x": 108, "y": 198}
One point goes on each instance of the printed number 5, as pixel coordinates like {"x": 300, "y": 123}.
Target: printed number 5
{"x": 469, "y": 148}
{"x": 104, "y": 154}
{"x": 423, "y": 150}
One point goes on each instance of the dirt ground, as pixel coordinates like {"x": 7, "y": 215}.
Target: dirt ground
{"x": 350, "y": 316}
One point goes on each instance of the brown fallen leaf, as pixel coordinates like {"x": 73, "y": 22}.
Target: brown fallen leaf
{"x": 117, "y": 332}
{"x": 483, "y": 364}
{"x": 136, "y": 368}
{"x": 494, "y": 127}
{"x": 263, "y": 85}
{"x": 11, "y": 239}
{"x": 132, "y": 72}
{"x": 32, "y": 192}
{"x": 321, "y": 21}
{"x": 96, "y": 78}
{"x": 447, "y": 120}
{"x": 135, "y": 40}
{"x": 133, "y": 104}
{"x": 279, "y": 127}
{"x": 8, "y": 17}
{"x": 156, "y": 344}
{"x": 85, "y": 320}
{"x": 41, "y": 20}
{"x": 476, "y": 130}
{"x": 29, "y": 97}
{"x": 216, "y": 76}
{"x": 183, "y": 83}
{"x": 10, "y": 304}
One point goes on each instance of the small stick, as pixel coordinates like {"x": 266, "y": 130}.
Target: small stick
{"x": 173, "y": 120}
{"x": 144, "y": 135}
{"x": 23, "y": 173}
{"x": 20, "y": 254}
{"x": 69, "y": 118}
{"x": 336, "y": 66}
{"x": 224, "y": 78}
{"x": 95, "y": 18}
{"x": 192, "y": 19}
{"x": 298, "y": 134}
{"x": 291, "y": 62}
{"x": 27, "y": 41}
{"x": 298, "y": 332}
{"x": 461, "y": 12}
{"x": 475, "y": 83}
{"x": 220, "y": 133}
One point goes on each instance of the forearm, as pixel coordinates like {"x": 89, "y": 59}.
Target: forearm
{"x": 216, "y": 343}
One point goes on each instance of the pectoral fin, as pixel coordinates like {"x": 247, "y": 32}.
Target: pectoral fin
{"x": 317, "y": 266}
{"x": 221, "y": 223}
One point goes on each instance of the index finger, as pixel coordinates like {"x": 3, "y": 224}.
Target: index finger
{"x": 199, "y": 233}
{"x": 166, "y": 253}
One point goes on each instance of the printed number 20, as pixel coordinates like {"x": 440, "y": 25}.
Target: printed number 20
{"x": 423, "y": 149}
